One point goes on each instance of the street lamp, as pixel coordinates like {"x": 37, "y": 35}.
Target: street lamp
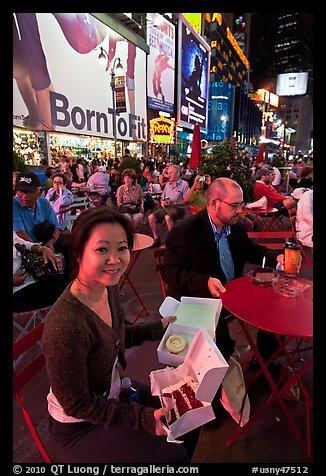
{"x": 223, "y": 118}
{"x": 103, "y": 57}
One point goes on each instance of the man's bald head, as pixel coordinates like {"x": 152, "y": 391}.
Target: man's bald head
{"x": 221, "y": 188}
{"x": 224, "y": 201}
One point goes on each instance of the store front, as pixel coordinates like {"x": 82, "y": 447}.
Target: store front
{"x": 39, "y": 148}
{"x": 30, "y": 146}
{"x": 81, "y": 146}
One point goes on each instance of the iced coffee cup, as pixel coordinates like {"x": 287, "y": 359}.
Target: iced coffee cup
{"x": 292, "y": 254}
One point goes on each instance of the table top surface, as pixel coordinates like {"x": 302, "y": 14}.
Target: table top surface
{"x": 84, "y": 189}
{"x": 152, "y": 193}
{"x": 141, "y": 242}
{"x": 259, "y": 211}
{"x": 266, "y": 309}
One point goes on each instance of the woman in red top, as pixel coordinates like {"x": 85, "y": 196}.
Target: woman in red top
{"x": 147, "y": 174}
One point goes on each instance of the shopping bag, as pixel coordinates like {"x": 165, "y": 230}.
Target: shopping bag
{"x": 234, "y": 398}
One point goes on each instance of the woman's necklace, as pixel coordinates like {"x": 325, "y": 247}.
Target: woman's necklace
{"x": 89, "y": 302}
{"x": 104, "y": 314}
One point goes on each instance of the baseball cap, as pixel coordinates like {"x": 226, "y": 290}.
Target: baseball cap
{"x": 102, "y": 168}
{"x": 262, "y": 172}
{"x": 27, "y": 182}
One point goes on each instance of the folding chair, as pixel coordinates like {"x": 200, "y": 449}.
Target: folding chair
{"x": 80, "y": 203}
{"x": 27, "y": 320}
{"x": 143, "y": 225}
{"x": 158, "y": 256}
{"x": 23, "y": 376}
{"x": 62, "y": 217}
{"x": 293, "y": 216}
{"x": 70, "y": 221}
{"x": 24, "y": 322}
{"x": 274, "y": 240}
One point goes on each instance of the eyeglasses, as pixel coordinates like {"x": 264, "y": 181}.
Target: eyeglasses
{"x": 232, "y": 205}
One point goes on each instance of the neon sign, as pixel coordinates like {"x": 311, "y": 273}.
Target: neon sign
{"x": 162, "y": 130}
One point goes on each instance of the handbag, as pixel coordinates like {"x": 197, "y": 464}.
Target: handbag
{"x": 130, "y": 207}
{"x": 34, "y": 265}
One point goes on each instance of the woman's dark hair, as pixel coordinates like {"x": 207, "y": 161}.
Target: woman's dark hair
{"x": 84, "y": 226}
{"x": 58, "y": 174}
{"x": 48, "y": 171}
{"x": 305, "y": 171}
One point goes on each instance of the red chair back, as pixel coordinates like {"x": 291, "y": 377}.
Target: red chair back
{"x": 62, "y": 211}
{"x": 271, "y": 239}
{"x": 23, "y": 376}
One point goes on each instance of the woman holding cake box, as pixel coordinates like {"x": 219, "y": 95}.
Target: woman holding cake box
{"x": 84, "y": 342}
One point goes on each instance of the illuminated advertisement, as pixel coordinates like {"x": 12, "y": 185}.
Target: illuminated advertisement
{"x": 228, "y": 62}
{"x": 162, "y": 130}
{"x": 220, "y": 107}
{"x": 55, "y": 56}
{"x": 160, "y": 63}
{"x": 193, "y": 86}
{"x": 195, "y": 20}
{"x": 291, "y": 84}
{"x": 263, "y": 95}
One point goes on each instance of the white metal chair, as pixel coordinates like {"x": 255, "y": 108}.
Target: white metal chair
{"x": 80, "y": 202}
{"x": 78, "y": 205}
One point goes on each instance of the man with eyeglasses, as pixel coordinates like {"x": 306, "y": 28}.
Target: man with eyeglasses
{"x": 210, "y": 248}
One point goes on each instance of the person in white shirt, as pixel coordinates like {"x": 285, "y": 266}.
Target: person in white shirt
{"x": 29, "y": 294}
{"x": 304, "y": 219}
{"x": 277, "y": 178}
{"x": 99, "y": 181}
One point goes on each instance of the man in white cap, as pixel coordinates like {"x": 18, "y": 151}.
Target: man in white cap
{"x": 99, "y": 181}
{"x": 34, "y": 219}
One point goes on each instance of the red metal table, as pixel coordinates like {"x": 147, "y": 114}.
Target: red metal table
{"x": 141, "y": 242}
{"x": 292, "y": 317}
{"x": 260, "y": 213}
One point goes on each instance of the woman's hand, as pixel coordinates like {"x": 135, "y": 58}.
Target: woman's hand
{"x": 215, "y": 287}
{"x": 167, "y": 320}
{"x": 48, "y": 254}
{"x": 19, "y": 277}
{"x": 158, "y": 415}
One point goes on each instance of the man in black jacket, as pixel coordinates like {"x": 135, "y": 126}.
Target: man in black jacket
{"x": 210, "y": 248}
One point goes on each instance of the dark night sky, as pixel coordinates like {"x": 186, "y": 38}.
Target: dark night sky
{"x": 263, "y": 29}
{"x": 261, "y": 52}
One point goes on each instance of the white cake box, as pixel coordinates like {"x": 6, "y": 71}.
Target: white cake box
{"x": 192, "y": 313}
{"x": 207, "y": 366}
